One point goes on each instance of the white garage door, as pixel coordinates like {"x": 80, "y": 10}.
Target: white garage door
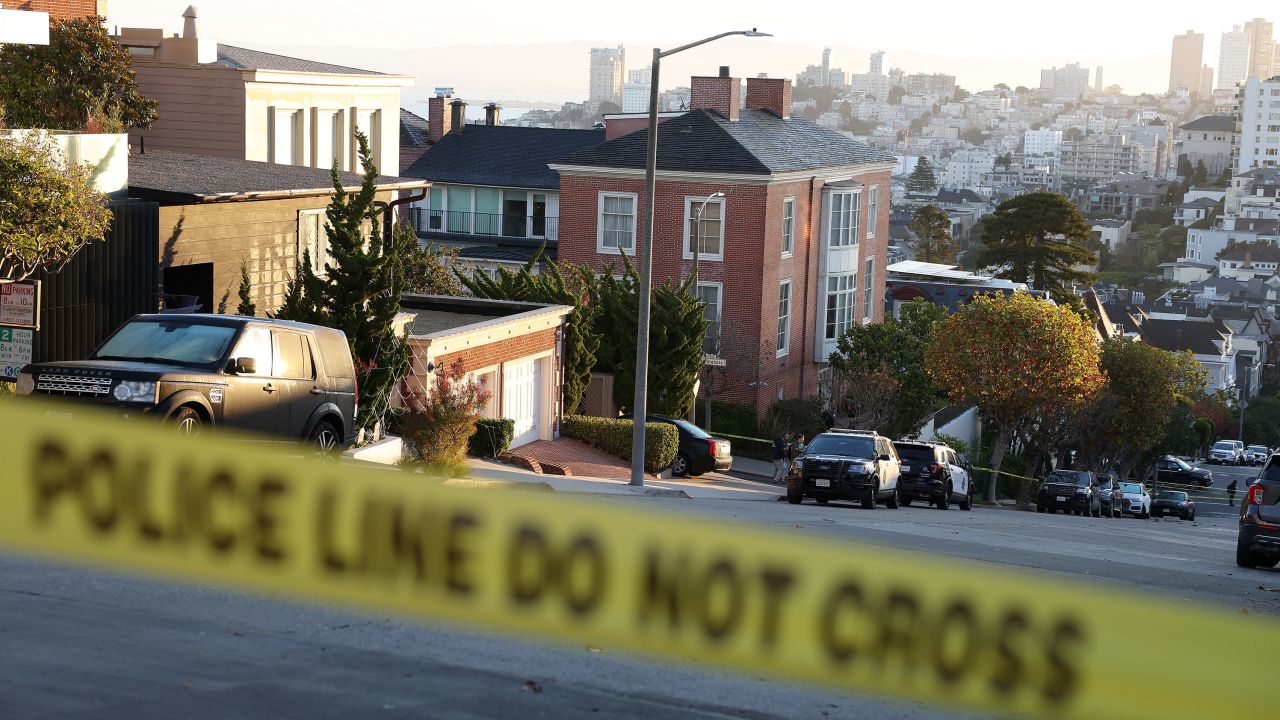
{"x": 521, "y": 391}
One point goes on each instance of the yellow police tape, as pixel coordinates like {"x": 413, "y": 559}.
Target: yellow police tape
{"x": 777, "y": 605}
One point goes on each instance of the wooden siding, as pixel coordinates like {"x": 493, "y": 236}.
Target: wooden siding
{"x": 201, "y": 109}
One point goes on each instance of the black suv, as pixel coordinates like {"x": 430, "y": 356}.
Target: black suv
{"x": 846, "y": 464}
{"x": 1070, "y": 491}
{"x": 1258, "y": 544}
{"x": 1110, "y": 495}
{"x": 933, "y": 472}
{"x": 270, "y": 376}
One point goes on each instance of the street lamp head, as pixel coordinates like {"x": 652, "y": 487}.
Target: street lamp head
{"x": 716, "y": 194}
{"x": 756, "y": 33}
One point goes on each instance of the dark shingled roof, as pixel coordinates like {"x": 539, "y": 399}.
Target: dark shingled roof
{"x": 246, "y": 59}
{"x": 501, "y": 155}
{"x": 1211, "y": 123}
{"x": 1197, "y": 336}
{"x": 760, "y": 142}
{"x": 1202, "y": 202}
{"x": 165, "y": 175}
{"x": 1258, "y": 252}
{"x": 413, "y": 129}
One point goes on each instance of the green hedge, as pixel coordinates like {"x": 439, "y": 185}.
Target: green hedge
{"x": 492, "y": 437}
{"x": 756, "y": 448}
{"x": 613, "y": 435}
{"x": 735, "y": 418}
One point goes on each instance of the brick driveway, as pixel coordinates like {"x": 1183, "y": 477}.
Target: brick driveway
{"x": 580, "y": 459}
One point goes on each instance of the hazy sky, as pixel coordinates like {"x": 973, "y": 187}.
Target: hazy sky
{"x": 504, "y": 50}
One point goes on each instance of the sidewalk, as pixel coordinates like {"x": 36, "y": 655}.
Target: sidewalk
{"x": 488, "y": 473}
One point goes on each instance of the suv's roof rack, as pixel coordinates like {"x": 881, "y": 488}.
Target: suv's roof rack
{"x": 846, "y": 431}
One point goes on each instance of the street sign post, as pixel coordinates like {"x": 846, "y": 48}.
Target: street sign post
{"x": 15, "y": 351}
{"x": 20, "y": 304}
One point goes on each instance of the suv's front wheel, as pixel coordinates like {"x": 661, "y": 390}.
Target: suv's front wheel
{"x": 188, "y": 422}
{"x": 324, "y": 438}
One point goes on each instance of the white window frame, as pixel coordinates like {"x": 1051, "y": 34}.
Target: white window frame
{"x": 788, "y": 227}
{"x": 374, "y": 133}
{"x": 335, "y": 137}
{"x": 843, "y": 318}
{"x": 294, "y": 119}
{"x": 321, "y": 254}
{"x": 868, "y": 281}
{"x": 843, "y": 234}
{"x": 784, "y": 318}
{"x": 691, "y": 204}
{"x": 873, "y": 203}
{"x": 601, "y": 248}
{"x": 719, "y": 318}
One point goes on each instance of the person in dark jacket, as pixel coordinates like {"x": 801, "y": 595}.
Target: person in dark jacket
{"x": 781, "y": 454}
{"x": 1231, "y": 492}
{"x": 796, "y": 449}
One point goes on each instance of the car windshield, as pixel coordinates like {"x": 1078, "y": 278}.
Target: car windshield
{"x": 1131, "y": 488}
{"x": 915, "y": 454}
{"x": 692, "y": 429}
{"x": 1171, "y": 495}
{"x": 1257, "y": 448}
{"x": 1182, "y": 464}
{"x": 851, "y": 445}
{"x": 1074, "y": 477}
{"x": 1223, "y": 445}
{"x": 179, "y": 341}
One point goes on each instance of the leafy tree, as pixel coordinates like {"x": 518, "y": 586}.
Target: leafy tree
{"x": 430, "y": 270}
{"x": 1015, "y": 357}
{"x": 932, "y": 227}
{"x": 1132, "y": 414}
{"x": 559, "y": 284}
{"x": 960, "y": 94}
{"x": 246, "y": 306}
{"x": 974, "y": 136}
{"x": 879, "y": 377}
{"x": 1201, "y": 174}
{"x": 896, "y": 93}
{"x": 922, "y": 179}
{"x": 82, "y": 74}
{"x": 858, "y": 127}
{"x": 1160, "y": 216}
{"x": 49, "y": 209}
{"x": 1184, "y": 167}
{"x": 1038, "y": 238}
{"x": 1113, "y": 90}
{"x": 360, "y": 291}
{"x": 1005, "y": 160}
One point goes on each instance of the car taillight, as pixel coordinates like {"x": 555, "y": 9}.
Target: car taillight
{"x": 935, "y": 468}
{"x": 712, "y": 443}
{"x": 1255, "y": 494}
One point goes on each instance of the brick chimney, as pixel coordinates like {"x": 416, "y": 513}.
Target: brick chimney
{"x": 772, "y": 94}
{"x": 722, "y": 94}
{"x": 438, "y": 120}
{"x": 457, "y": 115}
{"x": 491, "y": 114}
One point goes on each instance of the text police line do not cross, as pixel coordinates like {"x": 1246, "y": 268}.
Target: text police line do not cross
{"x": 857, "y": 617}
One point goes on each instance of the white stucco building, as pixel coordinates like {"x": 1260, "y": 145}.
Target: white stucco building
{"x": 1041, "y": 142}
{"x": 1259, "y": 125}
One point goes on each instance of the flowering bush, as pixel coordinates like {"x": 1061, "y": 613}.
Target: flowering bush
{"x": 436, "y": 425}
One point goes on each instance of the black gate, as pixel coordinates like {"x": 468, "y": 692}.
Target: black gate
{"x": 104, "y": 285}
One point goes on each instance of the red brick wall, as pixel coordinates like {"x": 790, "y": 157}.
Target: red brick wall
{"x": 57, "y": 9}
{"x": 769, "y": 94}
{"x": 751, "y": 271}
{"x": 722, "y": 94}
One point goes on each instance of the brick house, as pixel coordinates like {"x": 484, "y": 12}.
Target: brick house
{"x": 791, "y": 257}
{"x": 59, "y": 9}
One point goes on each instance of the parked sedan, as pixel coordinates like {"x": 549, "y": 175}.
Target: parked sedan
{"x": 1176, "y": 471}
{"x": 699, "y": 452}
{"x": 1173, "y": 502}
{"x": 1256, "y": 454}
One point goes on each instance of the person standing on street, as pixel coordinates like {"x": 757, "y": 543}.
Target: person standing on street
{"x": 796, "y": 449}
{"x": 781, "y": 451}
{"x": 1231, "y": 492}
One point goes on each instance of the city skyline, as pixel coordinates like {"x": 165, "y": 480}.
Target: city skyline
{"x": 477, "y": 58}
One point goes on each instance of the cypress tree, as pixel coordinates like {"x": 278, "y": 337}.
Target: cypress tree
{"x": 246, "y": 306}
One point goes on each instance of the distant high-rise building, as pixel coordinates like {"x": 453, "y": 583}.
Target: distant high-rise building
{"x": 1233, "y": 59}
{"x": 822, "y": 75}
{"x": 1261, "y": 47}
{"x": 1206, "y": 81}
{"x": 1185, "y": 61}
{"x": 1070, "y": 82}
{"x": 608, "y": 68}
{"x": 877, "y": 62}
{"x": 1259, "y": 142}
{"x": 1097, "y": 80}
{"x": 635, "y": 91}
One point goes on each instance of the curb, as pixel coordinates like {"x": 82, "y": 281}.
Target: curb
{"x": 499, "y": 484}
{"x": 664, "y": 492}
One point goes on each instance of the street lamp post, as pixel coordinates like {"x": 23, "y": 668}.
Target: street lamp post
{"x": 640, "y": 410}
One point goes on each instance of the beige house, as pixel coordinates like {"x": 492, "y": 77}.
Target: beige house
{"x": 249, "y": 105}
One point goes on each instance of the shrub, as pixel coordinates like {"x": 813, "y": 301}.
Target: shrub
{"x": 728, "y": 417}
{"x": 437, "y": 424}
{"x": 613, "y": 435}
{"x": 788, "y": 417}
{"x": 953, "y": 442}
{"x": 492, "y": 437}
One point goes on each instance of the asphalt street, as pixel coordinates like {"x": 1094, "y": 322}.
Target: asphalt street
{"x": 83, "y": 643}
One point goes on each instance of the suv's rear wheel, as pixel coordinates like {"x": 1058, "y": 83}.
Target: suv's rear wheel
{"x": 967, "y": 502}
{"x": 893, "y": 502}
{"x": 188, "y": 421}
{"x": 325, "y": 438}
{"x": 944, "y": 502}
{"x": 869, "y": 502}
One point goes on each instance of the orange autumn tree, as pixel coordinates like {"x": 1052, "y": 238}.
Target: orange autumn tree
{"x": 1015, "y": 357}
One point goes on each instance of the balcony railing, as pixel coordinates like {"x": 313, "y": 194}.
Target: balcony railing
{"x": 507, "y": 225}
